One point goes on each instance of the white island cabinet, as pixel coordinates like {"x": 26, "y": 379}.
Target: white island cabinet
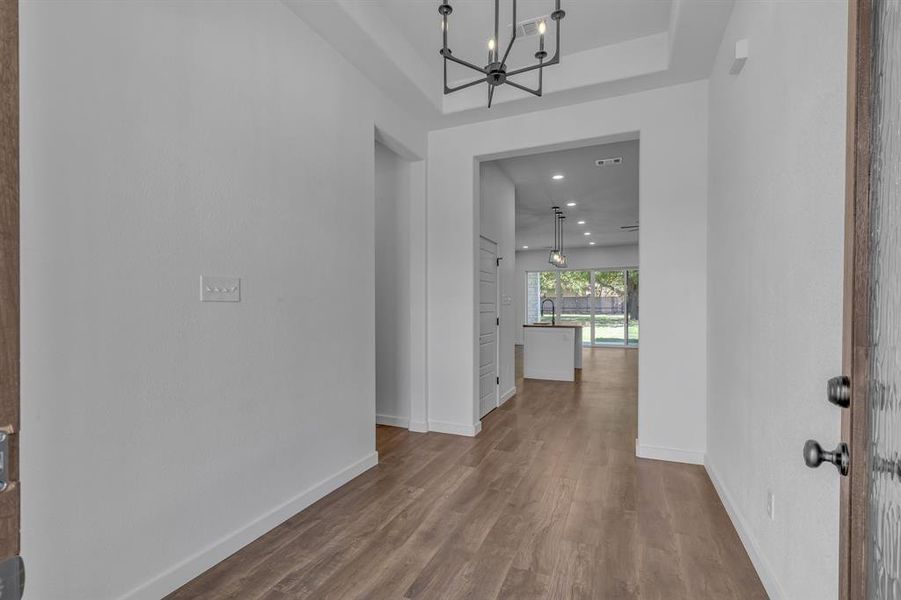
{"x": 552, "y": 351}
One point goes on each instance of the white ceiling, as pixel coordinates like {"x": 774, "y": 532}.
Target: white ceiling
{"x": 608, "y": 47}
{"x": 606, "y": 197}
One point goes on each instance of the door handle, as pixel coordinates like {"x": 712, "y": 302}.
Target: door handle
{"x": 814, "y": 456}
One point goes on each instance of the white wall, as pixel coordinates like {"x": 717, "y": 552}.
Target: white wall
{"x": 160, "y": 141}
{"x": 600, "y": 257}
{"x": 392, "y": 288}
{"x": 777, "y": 135}
{"x": 672, "y": 123}
{"x": 497, "y": 210}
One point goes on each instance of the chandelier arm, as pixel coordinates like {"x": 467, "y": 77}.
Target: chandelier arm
{"x": 539, "y": 65}
{"x": 490, "y": 94}
{"x": 512, "y": 37}
{"x": 524, "y": 88}
{"x": 553, "y": 61}
{"x": 450, "y": 90}
{"x": 460, "y": 61}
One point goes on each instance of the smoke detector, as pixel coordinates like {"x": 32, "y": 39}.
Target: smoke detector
{"x": 609, "y": 162}
{"x": 529, "y": 27}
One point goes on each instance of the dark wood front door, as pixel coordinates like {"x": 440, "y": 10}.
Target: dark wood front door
{"x": 871, "y": 424}
{"x": 9, "y": 296}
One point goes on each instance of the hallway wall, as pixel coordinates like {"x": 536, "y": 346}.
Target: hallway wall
{"x": 776, "y": 210}
{"x": 161, "y": 141}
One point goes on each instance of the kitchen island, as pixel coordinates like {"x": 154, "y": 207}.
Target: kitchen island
{"x": 552, "y": 351}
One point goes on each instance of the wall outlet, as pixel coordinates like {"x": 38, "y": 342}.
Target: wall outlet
{"x": 220, "y": 289}
{"x": 771, "y": 505}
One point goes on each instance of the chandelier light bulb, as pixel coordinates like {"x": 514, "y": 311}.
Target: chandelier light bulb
{"x": 542, "y": 28}
{"x": 491, "y": 44}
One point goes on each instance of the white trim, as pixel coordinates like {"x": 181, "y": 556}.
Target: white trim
{"x": 183, "y": 572}
{"x": 419, "y": 426}
{"x": 551, "y": 375}
{"x": 761, "y": 565}
{"x": 691, "y": 457}
{"x": 455, "y": 428}
{"x": 392, "y": 421}
{"x": 507, "y": 395}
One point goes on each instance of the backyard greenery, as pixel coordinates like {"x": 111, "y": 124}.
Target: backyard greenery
{"x": 608, "y": 329}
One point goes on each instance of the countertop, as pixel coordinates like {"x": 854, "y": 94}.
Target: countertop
{"x": 557, "y": 326}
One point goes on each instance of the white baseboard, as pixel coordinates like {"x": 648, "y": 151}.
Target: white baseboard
{"x": 669, "y": 454}
{"x": 763, "y": 567}
{"x": 507, "y": 395}
{"x": 419, "y": 426}
{"x": 455, "y": 428}
{"x": 551, "y": 375}
{"x": 392, "y": 421}
{"x": 183, "y": 572}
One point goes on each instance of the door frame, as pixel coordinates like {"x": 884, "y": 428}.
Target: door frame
{"x": 853, "y": 546}
{"x": 10, "y": 504}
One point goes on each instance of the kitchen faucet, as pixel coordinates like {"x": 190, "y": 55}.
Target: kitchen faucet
{"x": 553, "y": 311}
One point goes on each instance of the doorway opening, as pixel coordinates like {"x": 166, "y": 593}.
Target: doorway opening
{"x": 583, "y": 203}
{"x": 393, "y": 333}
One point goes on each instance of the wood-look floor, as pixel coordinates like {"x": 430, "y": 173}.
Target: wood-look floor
{"x": 548, "y": 501}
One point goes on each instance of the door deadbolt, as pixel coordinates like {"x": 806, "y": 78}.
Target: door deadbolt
{"x": 838, "y": 391}
{"x": 814, "y": 456}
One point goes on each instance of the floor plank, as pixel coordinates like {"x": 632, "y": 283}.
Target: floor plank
{"x": 548, "y": 501}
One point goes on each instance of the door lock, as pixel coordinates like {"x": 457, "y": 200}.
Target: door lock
{"x": 814, "y": 456}
{"x": 838, "y": 391}
{"x": 5, "y": 483}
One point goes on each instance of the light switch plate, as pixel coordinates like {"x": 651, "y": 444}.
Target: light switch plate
{"x": 220, "y": 289}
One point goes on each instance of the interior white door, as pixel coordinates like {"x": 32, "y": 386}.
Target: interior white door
{"x": 488, "y": 326}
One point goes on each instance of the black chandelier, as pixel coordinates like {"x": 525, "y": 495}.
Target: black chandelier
{"x": 495, "y": 72}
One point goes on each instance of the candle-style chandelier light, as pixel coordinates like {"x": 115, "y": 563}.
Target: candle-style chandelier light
{"x": 495, "y": 73}
{"x": 557, "y": 257}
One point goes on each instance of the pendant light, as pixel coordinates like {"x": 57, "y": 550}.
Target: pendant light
{"x": 557, "y": 257}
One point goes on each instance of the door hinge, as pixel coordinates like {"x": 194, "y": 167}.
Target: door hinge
{"x": 498, "y": 380}
{"x": 12, "y": 578}
{"x": 498, "y": 261}
{"x": 498, "y": 321}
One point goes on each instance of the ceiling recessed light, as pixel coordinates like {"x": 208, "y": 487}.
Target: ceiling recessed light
{"x": 557, "y": 177}
{"x": 525, "y": 247}
{"x": 591, "y": 243}
{"x": 587, "y": 233}
{"x": 581, "y": 222}
{"x": 570, "y": 203}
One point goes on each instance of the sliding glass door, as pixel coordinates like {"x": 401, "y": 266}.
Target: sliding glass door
{"x": 603, "y": 301}
{"x": 632, "y": 307}
{"x": 575, "y": 301}
{"x": 609, "y": 308}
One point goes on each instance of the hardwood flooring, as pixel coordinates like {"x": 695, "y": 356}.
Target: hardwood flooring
{"x": 548, "y": 501}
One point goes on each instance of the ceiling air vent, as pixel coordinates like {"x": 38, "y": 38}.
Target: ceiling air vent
{"x": 609, "y": 162}
{"x": 529, "y": 27}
